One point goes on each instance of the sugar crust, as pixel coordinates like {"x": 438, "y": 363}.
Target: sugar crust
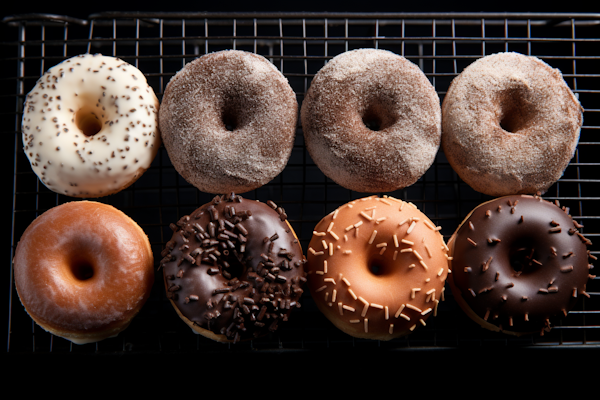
{"x": 543, "y": 116}
{"x": 240, "y": 86}
{"x": 380, "y": 84}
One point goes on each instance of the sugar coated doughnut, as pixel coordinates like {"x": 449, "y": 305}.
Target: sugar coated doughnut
{"x": 83, "y": 270}
{"x": 376, "y": 267}
{"x": 510, "y": 125}
{"x": 90, "y": 126}
{"x": 371, "y": 121}
{"x": 517, "y": 262}
{"x": 234, "y": 269}
{"x": 228, "y": 121}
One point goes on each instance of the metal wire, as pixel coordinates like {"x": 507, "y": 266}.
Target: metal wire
{"x": 299, "y": 44}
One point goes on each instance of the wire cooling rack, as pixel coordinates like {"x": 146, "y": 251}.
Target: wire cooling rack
{"x": 299, "y": 44}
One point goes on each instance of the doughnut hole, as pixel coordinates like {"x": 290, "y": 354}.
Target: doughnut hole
{"x": 232, "y": 112}
{"x": 81, "y": 263}
{"x": 377, "y": 267}
{"x": 515, "y": 112}
{"x": 376, "y": 116}
{"x": 231, "y": 267}
{"x": 88, "y": 121}
{"x": 229, "y": 120}
{"x": 523, "y": 257}
{"x": 81, "y": 269}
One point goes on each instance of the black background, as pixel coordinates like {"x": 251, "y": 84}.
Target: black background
{"x": 81, "y": 10}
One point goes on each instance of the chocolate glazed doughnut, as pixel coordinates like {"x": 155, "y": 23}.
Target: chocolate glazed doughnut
{"x": 234, "y": 269}
{"x": 517, "y": 262}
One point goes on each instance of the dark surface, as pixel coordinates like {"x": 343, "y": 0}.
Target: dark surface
{"x": 82, "y": 10}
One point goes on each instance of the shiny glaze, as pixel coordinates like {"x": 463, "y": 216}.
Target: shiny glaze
{"x": 376, "y": 267}
{"x": 250, "y": 283}
{"x": 517, "y": 262}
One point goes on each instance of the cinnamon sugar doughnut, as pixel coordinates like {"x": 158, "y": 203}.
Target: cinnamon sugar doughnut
{"x": 376, "y": 267}
{"x": 228, "y": 121}
{"x": 83, "y": 270}
{"x": 371, "y": 121}
{"x": 510, "y": 125}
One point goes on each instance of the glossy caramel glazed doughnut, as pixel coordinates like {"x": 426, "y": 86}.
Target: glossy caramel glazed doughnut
{"x": 376, "y": 267}
{"x": 518, "y": 262}
{"x": 510, "y": 125}
{"x": 83, "y": 270}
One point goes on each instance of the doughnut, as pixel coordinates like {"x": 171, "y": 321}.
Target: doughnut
{"x": 234, "y": 269}
{"x": 510, "y": 125}
{"x": 83, "y": 270}
{"x": 371, "y": 121}
{"x": 228, "y": 121}
{"x": 90, "y": 126}
{"x": 376, "y": 268}
{"x": 518, "y": 262}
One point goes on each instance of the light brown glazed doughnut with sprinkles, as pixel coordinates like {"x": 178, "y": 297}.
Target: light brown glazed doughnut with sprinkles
{"x": 83, "y": 270}
{"x": 90, "y": 126}
{"x": 518, "y": 262}
{"x": 376, "y": 267}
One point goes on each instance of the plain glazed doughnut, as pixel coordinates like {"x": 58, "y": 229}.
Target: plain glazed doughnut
{"x": 90, "y": 126}
{"x": 376, "y": 267}
{"x": 510, "y": 125}
{"x": 83, "y": 270}
{"x": 371, "y": 121}
{"x": 228, "y": 121}
{"x": 518, "y": 262}
{"x": 234, "y": 269}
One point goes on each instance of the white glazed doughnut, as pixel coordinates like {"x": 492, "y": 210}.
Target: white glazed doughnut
{"x": 90, "y": 126}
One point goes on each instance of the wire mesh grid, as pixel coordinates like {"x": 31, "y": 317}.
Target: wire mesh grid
{"x": 299, "y": 44}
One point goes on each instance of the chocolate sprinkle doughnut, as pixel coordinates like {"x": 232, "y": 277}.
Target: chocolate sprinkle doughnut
{"x": 234, "y": 269}
{"x": 517, "y": 262}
